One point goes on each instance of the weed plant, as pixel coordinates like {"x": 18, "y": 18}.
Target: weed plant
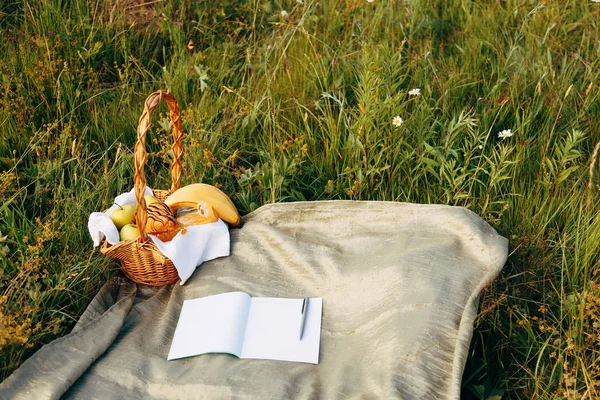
{"x": 289, "y": 100}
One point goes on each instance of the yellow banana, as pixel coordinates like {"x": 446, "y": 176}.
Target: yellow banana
{"x": 204, "y": 198}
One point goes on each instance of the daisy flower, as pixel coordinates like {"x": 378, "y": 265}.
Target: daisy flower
{"x": 506, "y": 133}
{"x": 414, "y": 92}
{"x": 285, "y": 14}
{"x": 203, "y": 209}
{"x": 397, "y": 121}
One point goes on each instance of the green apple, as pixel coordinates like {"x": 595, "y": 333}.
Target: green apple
{"x": 129, "y": 232}
{"x": 123, "y": 215}
{"x": 150, "y": 199}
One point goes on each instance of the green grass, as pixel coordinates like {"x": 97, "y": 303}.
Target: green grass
{"x": 294, "y": 108}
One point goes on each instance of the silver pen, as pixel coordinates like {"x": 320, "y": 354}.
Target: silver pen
{"x": 303, "y": 320}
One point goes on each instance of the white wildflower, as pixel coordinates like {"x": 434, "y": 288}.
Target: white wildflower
{"x": 397, "y": 121}
{"x": 299, "y": 2}
{"x": 414, "y": 92}
{"x": 203, "y": 209}
{"x": 285, "y": 14}
{"x": 370, "y": 1}
{"x": 506, "y": 133}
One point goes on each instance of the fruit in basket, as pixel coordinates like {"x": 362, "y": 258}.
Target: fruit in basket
{"x": 150, "y": 199}
{"x": 123, "y": 215}
{"x": 129, "y": 232}
{"x": 203, "y": 198}
{"x": 162, "y": 222}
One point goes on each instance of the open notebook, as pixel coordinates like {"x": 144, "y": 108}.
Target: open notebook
{"x": 260, "y": 327}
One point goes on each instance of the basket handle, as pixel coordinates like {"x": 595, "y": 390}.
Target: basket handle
{"x": 140, "y": 155}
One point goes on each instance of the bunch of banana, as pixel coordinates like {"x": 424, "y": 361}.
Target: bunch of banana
{"x": 200, "y": 203}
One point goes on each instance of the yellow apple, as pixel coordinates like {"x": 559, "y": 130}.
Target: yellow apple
{"x": 123, "y": 215}
{"x": 150, "y": 199}
{"x": 129, "y": 232}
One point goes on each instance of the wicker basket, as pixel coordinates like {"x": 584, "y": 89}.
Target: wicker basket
{"x": 140, "y": 259}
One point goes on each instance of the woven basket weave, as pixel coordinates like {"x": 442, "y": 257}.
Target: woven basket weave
{"x": 140, "y": 259}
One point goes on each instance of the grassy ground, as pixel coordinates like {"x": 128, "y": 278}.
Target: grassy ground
{"x": 298, "y": 105}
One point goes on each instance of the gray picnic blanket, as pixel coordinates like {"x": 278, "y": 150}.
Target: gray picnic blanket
{"x": 400, "y": 285}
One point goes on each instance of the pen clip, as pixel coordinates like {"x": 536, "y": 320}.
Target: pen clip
{"x": 304, "y": 303}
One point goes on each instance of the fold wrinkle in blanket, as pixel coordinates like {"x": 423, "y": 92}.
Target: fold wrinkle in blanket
{"x": 57, "y": 365}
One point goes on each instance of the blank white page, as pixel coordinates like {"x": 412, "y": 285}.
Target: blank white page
{"x": 213, "y": 324}
{"x": 273, "y": 330}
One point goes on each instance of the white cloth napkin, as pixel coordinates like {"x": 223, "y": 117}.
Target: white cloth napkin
{"x": 198, "y": 244}
{"x": 187, "y": 250}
